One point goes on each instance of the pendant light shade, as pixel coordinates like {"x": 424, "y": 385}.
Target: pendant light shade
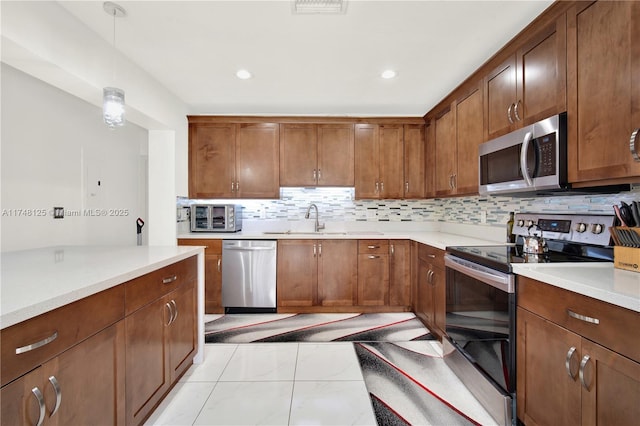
{"x": 113, "y": 107}
{"x": 112, "y": 97}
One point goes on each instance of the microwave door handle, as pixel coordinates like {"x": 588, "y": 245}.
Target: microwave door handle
{"x": 523, "y": 158}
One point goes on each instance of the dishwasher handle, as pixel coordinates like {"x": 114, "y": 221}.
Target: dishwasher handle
{"x": 249, "y": 248}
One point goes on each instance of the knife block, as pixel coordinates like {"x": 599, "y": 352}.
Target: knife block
{"x": 627, "y": 258}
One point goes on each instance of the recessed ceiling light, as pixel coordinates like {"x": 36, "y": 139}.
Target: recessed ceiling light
{"x": 388, "y": 74}
{"x": 243, "y": 74}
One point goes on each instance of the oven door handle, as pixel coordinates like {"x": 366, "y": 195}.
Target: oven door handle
{"x": 499, "y": 280}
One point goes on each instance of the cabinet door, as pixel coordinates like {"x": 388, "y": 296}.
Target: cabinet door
{"x": 414, "y": 161}
{"x": 19, "y": 402}
{"x": 212, "y": 283}
{"x": 335, "y": 155}
{"x": 469, "y": 136}
{"x": 211, "y": 160}
{"x": 391, "y": 161}
{"x": 611, "y": 387}
{"x": 445, "y": 152}
{"x": 373, "y": 279}
{"x": 367, "y": 160}
{"x": 439, "y": 301}
{"x": 181, "y": 336}
{"x": 424, "y": 303}
{"x": 430, "y": 172}
{"x": 148, "y": 376}
{"x": 603, "y": 55}
{"x": 91, "y": 380}
{"x": 298, "y": 155}
{"x": 500, "y": 98}
{"x": 297, "y": 273}
{"x": 258, "y": 161}
{"x": 400, "y": 273}
{"x": 337, "y": 272}
{"x": 542, "y": 73}
{"x": 547, "y": 391}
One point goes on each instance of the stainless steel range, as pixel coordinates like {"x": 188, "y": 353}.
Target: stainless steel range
{"x": 479, "y": 345}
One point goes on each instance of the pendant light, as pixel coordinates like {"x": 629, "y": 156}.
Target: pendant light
{"x": 112, "y": 97}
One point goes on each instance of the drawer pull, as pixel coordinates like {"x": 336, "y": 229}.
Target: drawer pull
{"x": 169, "y": 280}
{"x": 37, "y": 345}
{"x": 570, "y": 354}
{"x": 583, "y": 365}
{"x": 372, "y": 256}
{"x": 58, "y": 391}
{"x": 432, "y": 256}
{"x": 583, "y": 317}
{"x": 40, "y": 398}
{"x": 373, "y": 247}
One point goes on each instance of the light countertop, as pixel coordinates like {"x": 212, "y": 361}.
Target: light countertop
{"x": 40, "y": 280}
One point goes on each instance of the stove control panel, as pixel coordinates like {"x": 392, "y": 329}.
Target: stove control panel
{"x": 578, "y": 228}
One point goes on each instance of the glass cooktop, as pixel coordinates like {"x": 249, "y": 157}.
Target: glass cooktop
{"x": 502, "y": 257}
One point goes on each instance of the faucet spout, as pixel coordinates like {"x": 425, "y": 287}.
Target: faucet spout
{"x": 318, "y": 226}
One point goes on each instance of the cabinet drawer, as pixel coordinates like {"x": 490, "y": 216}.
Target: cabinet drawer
{"x": 615, "y": 328}
{"x": 147, "y": 288}
{"x": 212, "y": 246}
{"x": 431, "y": 255}
{"x": 373, "y": 246}
{"x": 62, "y": 328}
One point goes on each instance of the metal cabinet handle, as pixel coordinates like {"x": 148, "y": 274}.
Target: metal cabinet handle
{"x": 584, "y": 318}
{"x": 567, "y": 362}
{"x": 373, "y": 256}
{"x": 377, "y": 187}
{"x": 632, "y": 145}
{"x": 219, "y": 265}
{"x": 455, "y": 181}
{"x": 319, "y": 174}
{"x": 237, "y": 186}
{"x": 373, "y": 247}
{"x": 169, "y": 280}
{"x": 37, "y": 345}
{"x": 315, "y": 250}
{"x": 430, "y": 276}
{"x": 58, "y": 391}
{"x": 315, "y": 175}
{"x": 40, "y": 398}
{"x": 509, "y": 113}
{"x": 168, "y": 305}
{"x": 320, "y": 249}
{"x": 583, "y": 365}
{"x": 393, "y": 250}
{"x": 451, "y": 182}
{"x": 175, "y": 310}
{"x": 432, "y": 256}
{"x": 381, "y": 186}
{"x": 406, "y": 187}
{"x": 515, "y": 110}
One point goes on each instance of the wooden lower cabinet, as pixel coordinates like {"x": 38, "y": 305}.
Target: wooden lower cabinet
{"x": 430, "y": 288}
{"x": 400, "y": 273}
{"x": 90, "y": 380}
{"x": 160, "y": 344}
{"x": 313, "y": 273}
{"x": 212, "y": 272}
{"x": 373, "y": 272}
{"x": 564, "y": 376}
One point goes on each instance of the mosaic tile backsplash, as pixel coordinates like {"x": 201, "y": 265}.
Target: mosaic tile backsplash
{"x": 339, "y": 205}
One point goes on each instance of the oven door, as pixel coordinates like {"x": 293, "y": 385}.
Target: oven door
{"x": 480, "y": 329}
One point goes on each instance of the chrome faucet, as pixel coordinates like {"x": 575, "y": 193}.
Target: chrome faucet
{"x": 319, "y": 226}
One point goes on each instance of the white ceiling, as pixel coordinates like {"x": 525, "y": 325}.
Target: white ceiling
{"x": 310, "y": 64}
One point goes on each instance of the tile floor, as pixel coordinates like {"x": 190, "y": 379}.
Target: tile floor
{"x": 270, "y": 384}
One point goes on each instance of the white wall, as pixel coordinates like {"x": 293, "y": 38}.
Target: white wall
{"x": 44, "y": 40}
{"x": 54, "y": 150}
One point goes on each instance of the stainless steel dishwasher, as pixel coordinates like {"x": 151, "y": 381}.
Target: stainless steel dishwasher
{"x": 249, "y": 276}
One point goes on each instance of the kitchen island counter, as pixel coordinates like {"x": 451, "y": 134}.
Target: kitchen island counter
{"x": 40, "y": 280}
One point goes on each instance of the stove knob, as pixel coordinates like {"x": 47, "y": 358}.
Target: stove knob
{"x": 521, "y": 222}
{"x": 581, "y": 227}
{"x": 597, "y": 228}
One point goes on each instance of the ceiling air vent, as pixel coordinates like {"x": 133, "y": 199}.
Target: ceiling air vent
{"x": 319, "y": 6}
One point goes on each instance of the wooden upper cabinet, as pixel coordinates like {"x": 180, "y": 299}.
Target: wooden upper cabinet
{"x": 367, "y": 158}
{"x": 530, "y": 84}
{"x": 211, "y": 160}
{"x": 257, "y": 160}
{"x": 445, "y": 152}
{"x": 391, "y": 161}
{"x": 603, "y": 90}
{"x": 316, "y": 154}
{"x": 469, "y": 136}
{"x": 430, "y": 163}
{"x": 335, "y": 155}
{"x": 379, "y": 161}
{"x": 414, "y": 161}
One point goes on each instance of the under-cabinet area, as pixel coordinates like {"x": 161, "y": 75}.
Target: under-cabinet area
{"x": 107, "y": 358}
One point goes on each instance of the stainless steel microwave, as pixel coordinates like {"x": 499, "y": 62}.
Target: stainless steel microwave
{"x": 216, "y": 218}
{"x": 532, "y": 159}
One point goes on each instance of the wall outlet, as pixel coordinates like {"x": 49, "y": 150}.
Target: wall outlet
{"x": 483, "y": 216}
